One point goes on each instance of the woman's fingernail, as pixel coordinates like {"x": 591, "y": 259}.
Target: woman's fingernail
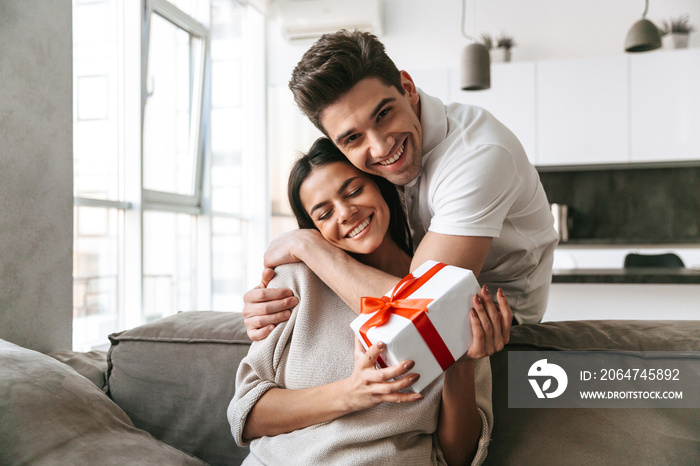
{"x": 414, "y": 377}
{"x": 380, "y": 345}
{"x": 501, "y": 293}
{"x": 486, "y": 289}
{"x": 474, "y": 313}
{"x": 409, "y": 365}
{"x": 478, "y": 298}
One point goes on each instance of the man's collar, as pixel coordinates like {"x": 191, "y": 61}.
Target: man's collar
{"x": 433, "y": 121}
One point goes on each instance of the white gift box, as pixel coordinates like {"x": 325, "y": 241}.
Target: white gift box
{"x": 450, "y": 291}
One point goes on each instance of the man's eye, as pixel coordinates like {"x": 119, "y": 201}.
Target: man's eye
{"x": 383, "y": 113}
{"x": 351, "y": 139}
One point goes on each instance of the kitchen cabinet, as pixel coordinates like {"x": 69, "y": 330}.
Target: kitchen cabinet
{"x": 646, "y": 299}
{"x": 639, "y": 108}
{"x": 511, "y": 99}
{"x": 582, "y": 111}
{"x": 665, "y": 106}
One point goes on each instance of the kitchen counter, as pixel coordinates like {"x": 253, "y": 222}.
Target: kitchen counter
{"x": 627, "y": 276}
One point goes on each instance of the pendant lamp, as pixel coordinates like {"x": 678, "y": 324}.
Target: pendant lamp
{"x": 475, "y": 69}
{"x": 644, "y": 35}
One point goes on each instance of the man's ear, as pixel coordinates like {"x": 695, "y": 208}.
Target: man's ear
{"x": 409, "y": 87}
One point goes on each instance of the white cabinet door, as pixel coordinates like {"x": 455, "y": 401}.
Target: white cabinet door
{"x": 511, "y": 99}
{"x": 582, "y": 111}
{"x": 665, "y": 106}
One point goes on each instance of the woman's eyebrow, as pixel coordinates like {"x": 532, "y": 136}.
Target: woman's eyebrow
{"x": 340, "y": 191}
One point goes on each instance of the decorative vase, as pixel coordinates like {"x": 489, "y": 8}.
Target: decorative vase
{"x": 507, "y": 55}
{"x": 501, "y": 55}
{"x": 676, "y": 40}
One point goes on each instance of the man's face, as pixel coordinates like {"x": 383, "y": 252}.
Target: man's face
{"x": 378, "y": 129}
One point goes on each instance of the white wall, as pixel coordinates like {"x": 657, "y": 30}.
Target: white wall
{"x": 425, "y": 34}
{"x": 36, "y": 173}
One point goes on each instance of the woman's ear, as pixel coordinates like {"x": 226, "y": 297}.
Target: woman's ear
{"x": 409, "y": 87}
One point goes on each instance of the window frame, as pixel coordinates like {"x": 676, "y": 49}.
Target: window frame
{"x": 162, "y": 200}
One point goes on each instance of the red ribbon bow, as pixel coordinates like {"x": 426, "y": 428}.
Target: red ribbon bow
{"x": 413, "y": 309}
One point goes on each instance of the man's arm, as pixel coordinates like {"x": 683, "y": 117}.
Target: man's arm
{"x": 467, "y": 252}
{"x": 266, "y": 307}
{"x": 352, "y": 280}
{"x": 348, "y": 278}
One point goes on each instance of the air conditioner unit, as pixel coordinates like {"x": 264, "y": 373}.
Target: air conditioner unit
{"x": 310, "y": 19}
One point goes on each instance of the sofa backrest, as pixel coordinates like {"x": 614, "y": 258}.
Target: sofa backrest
{"x": 595, "y": 435}
{"x": 175, "y": 378}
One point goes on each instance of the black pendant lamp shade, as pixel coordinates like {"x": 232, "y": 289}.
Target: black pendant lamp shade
{"x": 475, "y": 67}
{"x": 643, "y": 36}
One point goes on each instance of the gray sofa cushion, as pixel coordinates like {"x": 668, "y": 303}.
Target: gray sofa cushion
{"x": 91, "y": 365}
{"x": 594, "y": 436}
{"x": 176, "y": 376}
{"x": 51, "y": 415}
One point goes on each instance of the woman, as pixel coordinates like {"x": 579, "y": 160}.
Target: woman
{"x": 300, "y": 396}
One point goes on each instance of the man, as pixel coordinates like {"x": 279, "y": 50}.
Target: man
{"x": 473, "y": 199}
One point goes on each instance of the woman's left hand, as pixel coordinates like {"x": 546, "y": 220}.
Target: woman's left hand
{"x": 285, "y": 249}
{"x": 490, "y": 323}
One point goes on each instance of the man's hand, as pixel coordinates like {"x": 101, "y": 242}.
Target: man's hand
{"x": 287, "y": 247}
{"x": 490, "y": 324}
{"x": 264, "y": 308}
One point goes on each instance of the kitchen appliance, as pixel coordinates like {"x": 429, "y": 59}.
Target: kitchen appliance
{"x": 562, "y": 220}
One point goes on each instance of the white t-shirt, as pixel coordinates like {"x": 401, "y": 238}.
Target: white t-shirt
{"x": 476, "y": 180}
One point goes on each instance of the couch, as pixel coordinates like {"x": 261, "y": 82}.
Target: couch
{"x": 159, "y": 396}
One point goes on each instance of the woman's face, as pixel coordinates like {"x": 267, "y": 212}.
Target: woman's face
{"x": 346, "y": 207}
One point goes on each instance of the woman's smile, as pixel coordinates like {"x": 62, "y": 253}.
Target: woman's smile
{"x": 360, "y": 228}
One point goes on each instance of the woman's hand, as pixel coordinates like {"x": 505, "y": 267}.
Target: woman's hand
{"x": 287, "y": 247}
{"x": 490, "y": 324}
{"x": 369, "y": 386}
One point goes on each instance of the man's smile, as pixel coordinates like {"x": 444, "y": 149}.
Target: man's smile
{"x": 396, "y": 156}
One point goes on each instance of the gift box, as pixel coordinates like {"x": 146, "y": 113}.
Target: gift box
{"x": 425, "y": 318}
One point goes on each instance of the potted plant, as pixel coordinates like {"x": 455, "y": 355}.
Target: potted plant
{"x": 506, "y": 43}
{"x": 487, "y": 40}
{"x": 675, "y": 32}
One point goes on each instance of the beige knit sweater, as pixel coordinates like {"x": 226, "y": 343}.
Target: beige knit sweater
{"x": 315, "y": 347}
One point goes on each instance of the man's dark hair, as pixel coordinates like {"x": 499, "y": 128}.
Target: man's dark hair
{"x": 323, "y": 152}
{"x": 333, "y": 65}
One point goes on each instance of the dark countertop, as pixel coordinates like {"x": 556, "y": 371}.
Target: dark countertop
{"x": 627, "y": 276}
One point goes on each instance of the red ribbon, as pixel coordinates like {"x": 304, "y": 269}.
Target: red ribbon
{"x": 413, "y": 309}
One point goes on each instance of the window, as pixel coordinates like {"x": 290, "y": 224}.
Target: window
{"x": 174, "y": 88}
{"x": 170, "y": 210}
